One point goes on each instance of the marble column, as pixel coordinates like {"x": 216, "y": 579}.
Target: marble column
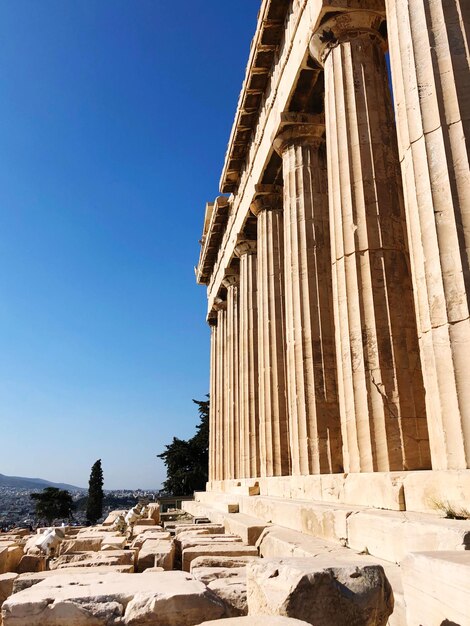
{"x": 248, "y": 354}
{"x": 314, "y": 420}
{"x": 221, "y": 451}
{"x": 380, "y": 382}
{"x": 213, "y": 400}
{"x": 429, "y": 56}
{"x": 273, "y": 427}
{"x": 232, "y": 417}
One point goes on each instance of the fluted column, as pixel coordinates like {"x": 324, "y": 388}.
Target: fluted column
{"x": 273, "y": 428}
{"x": 213, "y": 399}
{"x": 221, "y": 392}
{"x": 381, "y": 391}
{"x": 231, "y": 282}
{"x": 248, "y": 354}
{"x": 314, "y": 421}
{"x": 429, "y": 55}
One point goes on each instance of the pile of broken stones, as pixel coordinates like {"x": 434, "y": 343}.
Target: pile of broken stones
{"x": 178, "y": 574}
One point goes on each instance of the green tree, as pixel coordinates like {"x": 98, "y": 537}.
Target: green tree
{"x": 94, "y": 508}
{"x": 53, "y": 504}
{"x": 187, "y": 460}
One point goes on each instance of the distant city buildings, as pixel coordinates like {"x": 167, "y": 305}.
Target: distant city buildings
{"x": 17, "y": 508}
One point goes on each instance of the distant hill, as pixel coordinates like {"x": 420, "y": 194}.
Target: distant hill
{"x": 32, "y": 483}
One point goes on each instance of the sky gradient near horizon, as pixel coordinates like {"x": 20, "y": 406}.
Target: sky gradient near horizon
{"x": 114, "y": 120}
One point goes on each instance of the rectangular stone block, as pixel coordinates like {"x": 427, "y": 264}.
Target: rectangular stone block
{"x": 3, "y": 559}
{"x": 81, "y": 544}
{"x": 391, "y": 535}
{"x": 221, "y": 561}
{"x": 247, "y": 527}
{"x": 320, "y": 591}
{"x": 159, "y": 598}
{"x": 140, "y": 539}
{"x": 210, "y": 528}
{"x": 189, "y": 541}
{"x": 114, "y": 543}
{"x": 95, "y": 559}
{"x": 156, "y": 554}
{"x": 327, "y": 521}
{"x": 143, "y": 528}
{"x": 7, "y": 581}
{"x": 277, "y": 542}
{"x": 31, "y": 563}
{"x": 154, "y": 512}
{"x": 196, "y": 509}
{"x": 220, "y": 549}
{"x": 437, "y": 588}
{"x": 25, "y": 581}
{"x": 112, "y": 517}
{"x": 434, "y": 490}
{"x": 14, "y": 554}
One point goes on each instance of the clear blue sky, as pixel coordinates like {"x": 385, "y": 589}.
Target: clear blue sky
{"x": 114, "y": 120}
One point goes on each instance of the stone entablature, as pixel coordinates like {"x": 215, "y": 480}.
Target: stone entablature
{"x": 215, "y": 223}
{"x": 337, "y": 278}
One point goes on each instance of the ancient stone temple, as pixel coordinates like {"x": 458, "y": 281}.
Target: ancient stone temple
{"x": 337, "y": 269}
{"x": 336, "y": 263}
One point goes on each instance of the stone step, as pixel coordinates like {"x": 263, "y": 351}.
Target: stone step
{"x": 437, "y": 588}
{"x": 245, "y": 526}
{"x": 226, "y": 503}
{"x": 285, "y": 541}
{"x": 418, "y": 491}
{"x": 388, "y": 535}
{"x": 248, "y": 527}
{"x": 318, "y": 519}
{"x": 391, "y": 535}
{"x": 197, "y": 509}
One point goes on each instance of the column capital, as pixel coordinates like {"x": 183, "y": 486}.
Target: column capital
{"x": 212, "y": 318}
{"x": 344, "y": 27}
{"x": 231, "y": 278}
{"x": 299, "y": 129}
{"x": 220, "y": 305}
{"x": 245, "y": 246}
{"x": 266, "y": 198}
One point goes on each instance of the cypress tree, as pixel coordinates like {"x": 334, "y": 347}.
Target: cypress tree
{"x": 94, "y": 508}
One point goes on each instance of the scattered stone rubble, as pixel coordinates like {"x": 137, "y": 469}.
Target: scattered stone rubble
{"x": 146, "y": 572}
{"x": 183, "y": 574}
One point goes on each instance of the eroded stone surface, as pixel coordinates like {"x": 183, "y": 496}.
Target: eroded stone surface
{"x": 208, "y": 574}
{"x": 232, "y": 592}
{"x": 437, "y": 588}
{"x": 156, "y": 554}
{"x": 94, "y": 559}
{"x": 222, "y": 561}
{"x": 227, "y": 549}
{"x": 25, "y": 581}
{"x": 157, "y": 599}
{"x": 6, "y": 585}
{"x": 320, "y": 591}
